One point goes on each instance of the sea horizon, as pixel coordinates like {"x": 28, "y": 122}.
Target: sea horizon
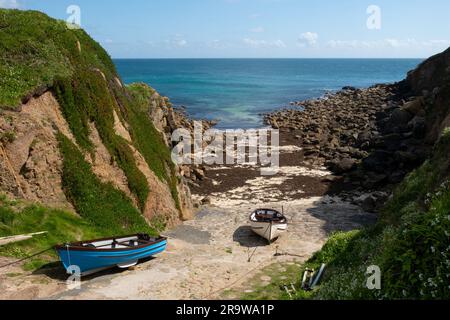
{"x": 267, "y": 58}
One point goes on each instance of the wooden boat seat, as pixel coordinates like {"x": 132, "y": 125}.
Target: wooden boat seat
{"x": 114, "y": 244}
{"x": 268, "y": 218}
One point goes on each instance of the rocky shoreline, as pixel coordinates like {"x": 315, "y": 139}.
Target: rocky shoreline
{"x": 369, "y": 138}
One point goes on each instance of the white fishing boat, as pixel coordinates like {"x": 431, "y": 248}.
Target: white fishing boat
{"x": 268, "y": 223}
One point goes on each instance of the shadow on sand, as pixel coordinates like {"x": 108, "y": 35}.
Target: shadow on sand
{"x": 56, "y": 271}
{"x": 247, "y": 238}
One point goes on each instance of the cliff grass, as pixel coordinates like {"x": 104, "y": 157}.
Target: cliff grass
{"x": 410, "y": 243}
{"x": 34, "y": 50}
{"x": 101, "y": 204}
{"x": 62, "y": 226}
{"x": 38, "y": 53}
{"x": 147, "y": 139}
{"x": 86, "y": 98}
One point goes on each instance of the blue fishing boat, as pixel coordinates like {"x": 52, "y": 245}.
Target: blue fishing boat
{"x": 96, "y": 255}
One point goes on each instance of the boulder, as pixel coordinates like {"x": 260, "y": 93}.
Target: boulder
{"x": 206, "y": 201}
{"x": 399, "y": 118}
{"x": 369, "y": 203}
{"x": 405, "y": 157}
{"x": 378, "y": 161}
{"x": 419, "y": 127}
{"x": 363, "y": 137}
{"x": 414, "y": 107}
{"x": 199, "y": 174}
{"x": 342, "y": 165}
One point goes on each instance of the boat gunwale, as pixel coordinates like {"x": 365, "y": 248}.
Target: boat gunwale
{"x": 283, "y": 220}
{"x": 78, "y": 246}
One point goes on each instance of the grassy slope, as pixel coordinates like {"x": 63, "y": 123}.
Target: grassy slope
{"x": 39, "y": 52}
{"x": 148, "y": 139}
{"x": 62, "y": 226}
{"x": 410, "y": 244}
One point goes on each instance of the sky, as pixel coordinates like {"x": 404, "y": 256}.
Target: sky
{"x": 257, "y": 28}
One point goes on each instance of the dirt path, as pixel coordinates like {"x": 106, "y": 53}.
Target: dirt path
{"x": 217, "y": 250}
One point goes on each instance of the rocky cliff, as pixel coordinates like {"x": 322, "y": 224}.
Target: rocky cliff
{"x": 73, "y": 136}
{"x": 431, "y": 81}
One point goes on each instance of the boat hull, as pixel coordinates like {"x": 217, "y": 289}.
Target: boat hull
{"x": 268, "y": 230}
{"x": 90, "y": 261}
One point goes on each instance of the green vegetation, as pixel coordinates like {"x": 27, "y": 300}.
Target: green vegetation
{"x": 39, "y": 53}
{"x": 62, "y": 226}
{"x": 410, "y": 243}
{"x": 29, "y": 58}
{"x": 99, "y": 203}
{"x": 147, "y": 139}
{"x": 273, "y": 282}
{"x": 7, "y": 136}
{"x": 87, "y": 98}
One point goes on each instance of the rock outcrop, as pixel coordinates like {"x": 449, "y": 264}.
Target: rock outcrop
{"x": 375, "y": 133}
{"x": 431, "y": 81}
{"x": 167, "y": 119}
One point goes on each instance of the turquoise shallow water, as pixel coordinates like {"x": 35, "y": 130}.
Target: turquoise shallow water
{"x": 237, "y": 91}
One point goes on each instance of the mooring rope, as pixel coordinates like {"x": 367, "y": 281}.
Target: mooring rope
{"x": 232, "y": 284}
{"x": 256, "y": 248}
{"x": 246, "y": 274}
{"x": 27, "y": 258}
{"x": 68, "y": 254}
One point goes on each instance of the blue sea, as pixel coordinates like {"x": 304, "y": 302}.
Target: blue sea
{"x": 237, "y": 91}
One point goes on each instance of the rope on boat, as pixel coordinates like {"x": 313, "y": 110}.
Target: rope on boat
{"x": 68, "y": 253}
{"x": 27, "y": 258}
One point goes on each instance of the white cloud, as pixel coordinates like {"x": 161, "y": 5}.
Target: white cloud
{"x": 387, "y": 43}
{"x": 9, "y": 4}
{"x": 218, "y": 44}
{"x": 257, "y": 29}
{"x": 176, "y": 41}
{"x": 264, "y": 43}
{"x": 308, "y": 39}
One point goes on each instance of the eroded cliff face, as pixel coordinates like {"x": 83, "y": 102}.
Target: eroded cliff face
{"x": 31, "y": 162}
{"x": 431, "y": 82}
